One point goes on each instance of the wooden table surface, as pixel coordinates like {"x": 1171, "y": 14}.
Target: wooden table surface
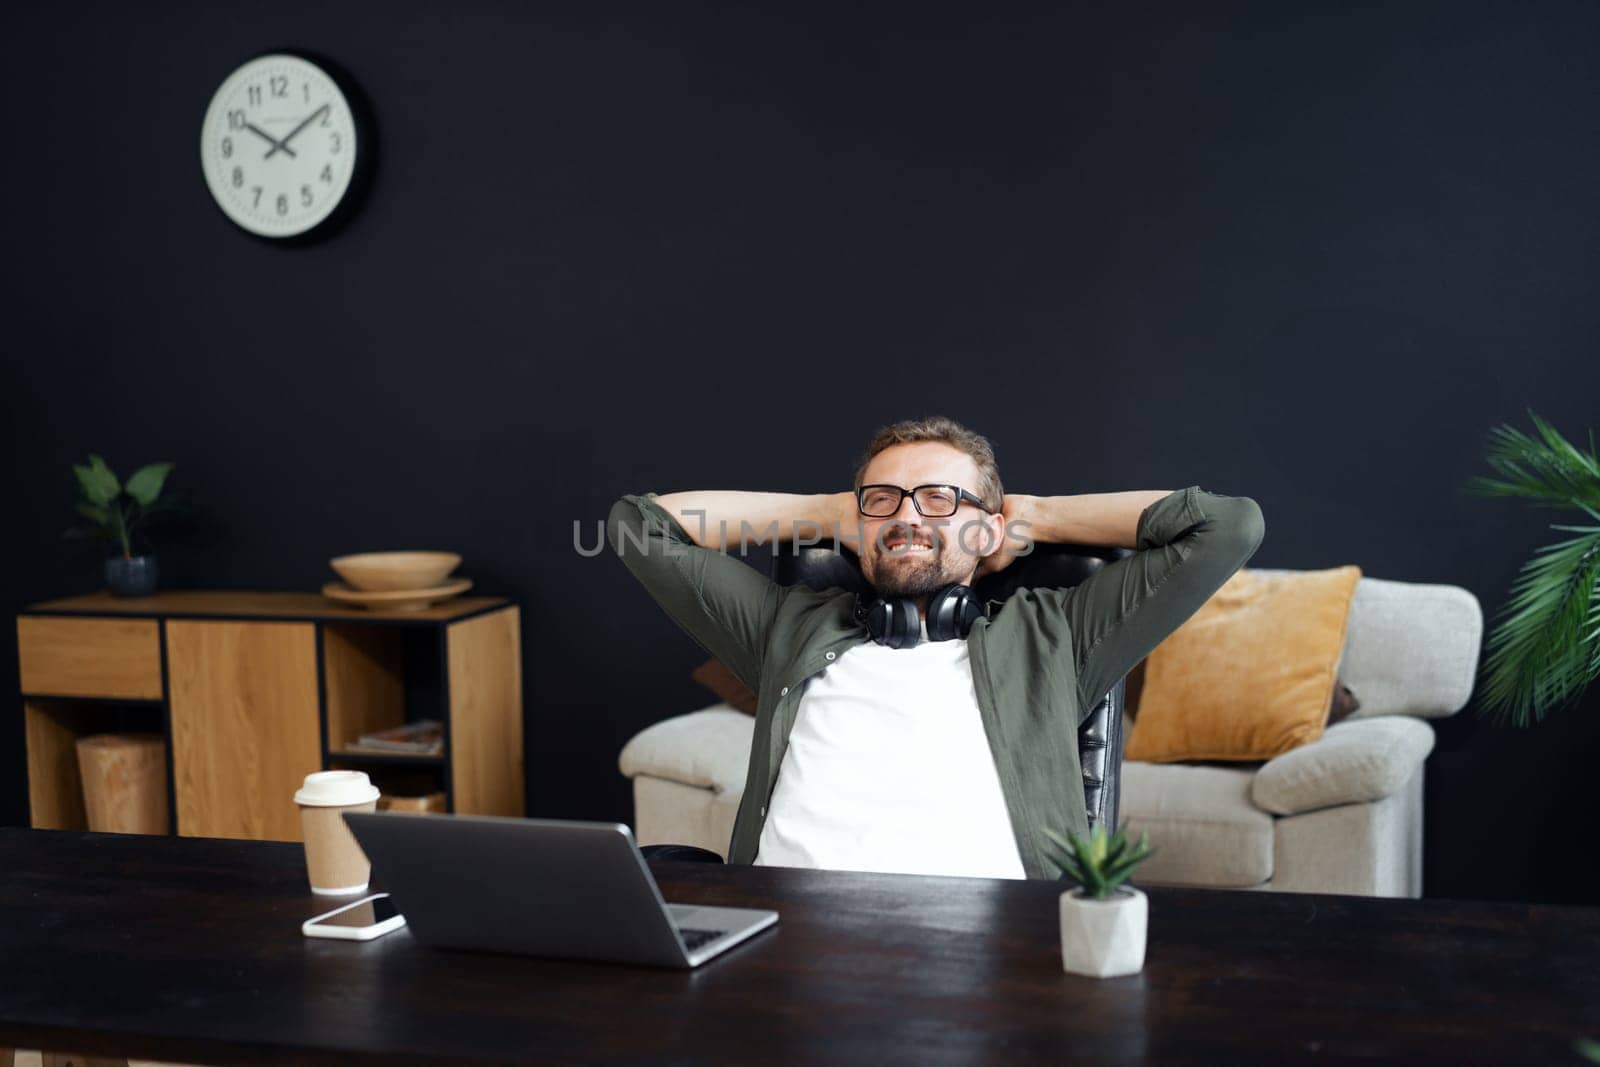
{"x": 190, "y": 950}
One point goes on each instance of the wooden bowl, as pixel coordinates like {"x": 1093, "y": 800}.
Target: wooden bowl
{"x": 396, "y": 599}
{"x": 382, "y": 572}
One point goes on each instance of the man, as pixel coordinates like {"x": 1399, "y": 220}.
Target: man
{"x": 949, "y": 756}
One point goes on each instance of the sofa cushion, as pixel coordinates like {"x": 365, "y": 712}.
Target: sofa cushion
{"x": 709, "y": 748}
{"x": 1344, "y": 703}
{"x": 1251, "y": 674}
{"x": 1354, "y": 761}
{"x": 1203, "y": 828}
{"x": 1412, "y": 647}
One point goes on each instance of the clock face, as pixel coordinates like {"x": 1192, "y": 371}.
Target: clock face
{"x": 278, "y": 146}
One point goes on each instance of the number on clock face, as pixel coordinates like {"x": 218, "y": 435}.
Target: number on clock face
{"x": 278, "y": 146}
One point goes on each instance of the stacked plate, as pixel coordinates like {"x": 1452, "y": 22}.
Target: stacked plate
{"x": 396, "y": 581}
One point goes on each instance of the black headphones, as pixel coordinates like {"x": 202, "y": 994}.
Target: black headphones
{"x": 895, "y": 622}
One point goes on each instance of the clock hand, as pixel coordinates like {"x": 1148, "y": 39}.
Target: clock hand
{"x": 284, "y": 144}
{"x": 253, "y": 128}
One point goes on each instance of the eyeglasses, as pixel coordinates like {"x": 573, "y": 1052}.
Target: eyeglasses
{"x": 931, "y": 501}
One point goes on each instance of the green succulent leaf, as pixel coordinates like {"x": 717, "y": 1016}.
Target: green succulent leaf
{"x": 1060, "y": 841}
{"x": 1099, "y": 864}
{"x": 145, "y": 485}
{"x": 1124, "y": 869}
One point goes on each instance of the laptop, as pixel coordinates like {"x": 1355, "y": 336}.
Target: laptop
{"x": 540, "y": 887}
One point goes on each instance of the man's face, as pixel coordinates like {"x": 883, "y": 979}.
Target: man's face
{"x": 909, "y": 554}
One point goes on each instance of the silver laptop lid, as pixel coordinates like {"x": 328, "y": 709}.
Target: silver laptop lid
{"x": 541, "y": 887}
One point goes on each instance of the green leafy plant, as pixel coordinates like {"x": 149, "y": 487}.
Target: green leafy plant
{"x": 1588, "y": 1048}
{"x": 113, "y": 511}
{"x": 1545, "y": 649}
{"x": 1102, "y": 863}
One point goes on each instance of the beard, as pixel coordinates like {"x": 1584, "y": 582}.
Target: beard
{"x": 892, "y": 575}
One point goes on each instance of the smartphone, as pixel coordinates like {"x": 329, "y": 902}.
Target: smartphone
{"x": 363, "y": 920}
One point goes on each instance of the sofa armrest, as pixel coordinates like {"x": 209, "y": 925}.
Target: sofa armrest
{"x": 1353, "y": 761}
{"x": 709, "y": 748}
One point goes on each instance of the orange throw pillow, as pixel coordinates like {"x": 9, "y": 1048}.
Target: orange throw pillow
{"x": 1251, "y": 674}
{"x": 715, "y": 676}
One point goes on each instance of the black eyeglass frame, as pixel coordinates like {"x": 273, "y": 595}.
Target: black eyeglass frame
{"x": 962, "y": 497}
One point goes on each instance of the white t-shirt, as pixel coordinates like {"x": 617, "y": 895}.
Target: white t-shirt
{"x": 888, "y": 769}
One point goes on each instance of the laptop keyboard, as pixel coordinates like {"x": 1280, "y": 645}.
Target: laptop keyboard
{"x": 693, "y": 939}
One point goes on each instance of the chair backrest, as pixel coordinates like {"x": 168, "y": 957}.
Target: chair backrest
{"x": 1052, "y": 566}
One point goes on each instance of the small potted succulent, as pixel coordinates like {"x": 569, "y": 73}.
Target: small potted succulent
{"x": 116, "y": 512}
{"x": 1102, "y": 921}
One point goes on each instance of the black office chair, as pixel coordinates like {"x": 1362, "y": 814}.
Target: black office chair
{"x": 1050, "y": 566}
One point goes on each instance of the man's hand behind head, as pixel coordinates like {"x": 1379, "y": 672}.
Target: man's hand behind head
{"x": 1017, "y": 542}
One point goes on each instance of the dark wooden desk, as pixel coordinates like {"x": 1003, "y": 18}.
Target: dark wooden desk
{"x": 190, "y": 950}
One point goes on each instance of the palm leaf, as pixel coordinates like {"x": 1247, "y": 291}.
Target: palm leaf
{"x": 1541, "y": 654}
{"x": 1550, "y": 471}
{"x": 1545, "y": 648}
{"x": 1592, "y": 636}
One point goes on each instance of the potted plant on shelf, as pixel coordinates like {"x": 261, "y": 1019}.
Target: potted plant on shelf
{"x": 1102, "y": 921}
{"x": 116, "y": 513}
{"x": 1545, "y": 650}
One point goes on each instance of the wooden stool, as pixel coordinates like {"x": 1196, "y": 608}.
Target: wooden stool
{"x": 124, "y": 782}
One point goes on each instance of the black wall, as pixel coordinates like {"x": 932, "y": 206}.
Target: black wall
{"x": 1308, "y": 256}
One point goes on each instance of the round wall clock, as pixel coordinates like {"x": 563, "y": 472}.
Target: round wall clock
{"x": 282, "y": 146}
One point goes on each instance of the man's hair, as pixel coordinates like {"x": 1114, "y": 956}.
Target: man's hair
{"x": 950, "y": 432}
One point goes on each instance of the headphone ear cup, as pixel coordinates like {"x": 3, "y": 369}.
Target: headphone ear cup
{"x": 894, "y": 622}
{"x": 951, "y": 613}
{"x": 906, "y": 630}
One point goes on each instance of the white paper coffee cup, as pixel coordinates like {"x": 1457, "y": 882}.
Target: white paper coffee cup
{"x": 335, "y": 863}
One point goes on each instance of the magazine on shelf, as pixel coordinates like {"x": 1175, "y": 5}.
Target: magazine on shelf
{"x": 423, "y": 737}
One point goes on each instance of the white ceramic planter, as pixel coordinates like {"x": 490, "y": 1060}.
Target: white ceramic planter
{"x": 1103, "y": 938}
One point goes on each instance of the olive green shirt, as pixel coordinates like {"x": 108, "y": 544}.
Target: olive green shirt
{"x": 1040, "y": 663}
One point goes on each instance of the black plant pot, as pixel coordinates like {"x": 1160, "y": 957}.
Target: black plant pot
{"x": 134, "y": 576}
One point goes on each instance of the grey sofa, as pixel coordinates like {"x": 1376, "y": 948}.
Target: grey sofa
{"x": 1342, "y": 814}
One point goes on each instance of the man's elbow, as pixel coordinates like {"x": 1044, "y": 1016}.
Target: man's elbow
{"x": 1245, "y": 525}
{"x": 625, "y": 528}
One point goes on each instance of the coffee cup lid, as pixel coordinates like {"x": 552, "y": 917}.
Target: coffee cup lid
{"x": 335, "y": 789}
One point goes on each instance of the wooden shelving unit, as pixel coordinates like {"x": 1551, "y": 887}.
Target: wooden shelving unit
{"x": 253, "y": 691}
